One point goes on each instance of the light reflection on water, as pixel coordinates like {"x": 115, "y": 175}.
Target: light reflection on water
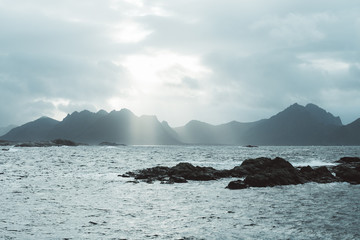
{"x": 66, "y": 192}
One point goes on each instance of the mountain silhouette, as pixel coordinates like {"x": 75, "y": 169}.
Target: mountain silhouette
{"x": 296, "y": 125}
{"x": 347, "y": 135}
{"x": 196, "y": 132}
{"x": 93, "y": 128}
{"x": 32, "y": 131}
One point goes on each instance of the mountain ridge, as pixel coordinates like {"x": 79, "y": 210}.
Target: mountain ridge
{"x": 295, "y": 125}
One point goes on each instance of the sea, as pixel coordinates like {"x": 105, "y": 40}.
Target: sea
{"x": 78, "y": 193}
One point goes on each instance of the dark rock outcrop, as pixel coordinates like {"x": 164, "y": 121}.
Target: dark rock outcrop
{"x": 348, "y": 174}
{"x": 259, "y": 172}
{"x": 64, "y": 142}
{"x": 179, "y": 173}
{"x": 355, "y": 160}
{"x": 319, "y": 175}
{"x": 238, "y": 184}
{"x": 264, "y": 172}
{"x": 348, "y": 170}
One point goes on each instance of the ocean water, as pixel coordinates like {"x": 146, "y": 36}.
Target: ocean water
{"x": 76, "y": 193}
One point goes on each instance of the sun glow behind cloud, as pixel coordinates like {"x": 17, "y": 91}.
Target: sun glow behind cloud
{"x": 129, "y": 32}
{"x": 157, "y": 69}
{"x": 161, "y": 79}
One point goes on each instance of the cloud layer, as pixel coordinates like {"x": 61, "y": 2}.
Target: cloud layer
{"x": 181, "y": 60}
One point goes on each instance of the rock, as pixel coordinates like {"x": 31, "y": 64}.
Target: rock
{"x": 176, "y": 179}
{"x": 348, "y": 174}
{"x": 264, "y": 172}
{"x": 306, "y": 170}
{"x": 348, "y": 170}
{"x": 349, "y": 160}
{"x": 319, "y": 175}
{"x": 35, "y": 144}
{"x": 190, "y": 172}
{"x": 53, "y": 143}
{"x": 238, "y": 172}
{"x": 258, "y": 165}
{"x": 111, "y": 144}
{"x": 150, "y": 173}
{"x": 178, "y": 174}
{"x": 259, "y": 172}
{"x": 273, "y": 178}
{"x": 6, "y": 143}
{"x": 64, "y": 142}
{"x": 135, "y": 182}
{"x": 238, "y": 184}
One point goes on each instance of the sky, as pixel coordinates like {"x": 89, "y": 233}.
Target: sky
{"x": 213, "y": 61}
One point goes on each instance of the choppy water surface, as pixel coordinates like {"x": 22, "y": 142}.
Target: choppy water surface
{"x": 76, "y": 193}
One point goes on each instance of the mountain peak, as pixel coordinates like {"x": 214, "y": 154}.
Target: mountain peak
{"x": 313, "y": 111}
{"x": 323, "y": 116}
{"x": 102, "y": 112}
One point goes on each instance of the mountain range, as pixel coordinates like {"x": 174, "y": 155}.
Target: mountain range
{"x": 296, "y": 125}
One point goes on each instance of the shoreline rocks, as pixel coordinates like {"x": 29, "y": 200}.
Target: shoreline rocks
{"x": 111, "y": 144}
{"x": 259, "y": 172}
{"x": 348, "y": 169}
{"x": 53, "y": 143}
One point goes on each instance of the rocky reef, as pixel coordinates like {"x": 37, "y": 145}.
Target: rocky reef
{"x": 259, "y": 172}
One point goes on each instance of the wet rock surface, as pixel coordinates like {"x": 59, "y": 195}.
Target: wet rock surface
{"x": 348, "y": 170}
{"x": 319, "y": 175}
{"x": 259, "y": 172}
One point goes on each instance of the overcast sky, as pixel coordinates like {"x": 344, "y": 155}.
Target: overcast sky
{"x": 213, "y": 61}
